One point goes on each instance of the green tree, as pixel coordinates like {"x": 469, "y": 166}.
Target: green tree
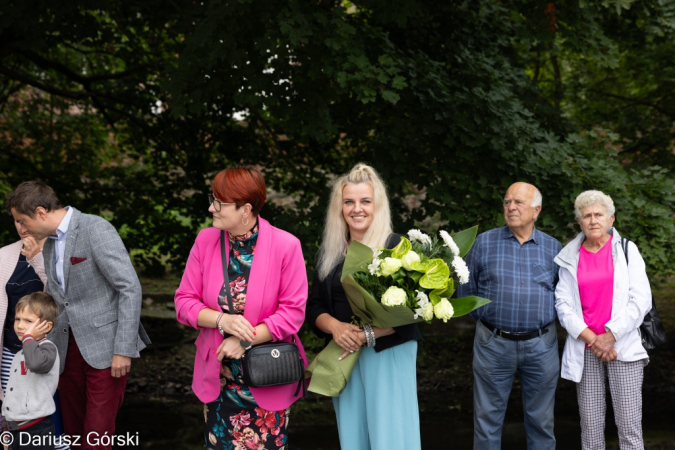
{"x": 129, "y": 108}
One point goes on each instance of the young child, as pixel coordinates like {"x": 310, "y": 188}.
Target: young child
{"x": 34, "y": 376}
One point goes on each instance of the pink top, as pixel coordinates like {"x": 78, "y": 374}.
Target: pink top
{"x": 276, "y": 296}
{"x": 595, "y": 275}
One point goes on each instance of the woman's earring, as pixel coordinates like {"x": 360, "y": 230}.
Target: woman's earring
{"x": 242, "y": 221}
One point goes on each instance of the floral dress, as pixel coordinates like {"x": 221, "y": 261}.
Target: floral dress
{"x": 234, "y": 421}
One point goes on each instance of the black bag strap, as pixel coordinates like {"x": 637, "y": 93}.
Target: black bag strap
{"x": 226, "y": 284}
{"x": 624, "y": 246}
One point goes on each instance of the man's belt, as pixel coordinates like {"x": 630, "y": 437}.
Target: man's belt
{"x": 516, "y": 336}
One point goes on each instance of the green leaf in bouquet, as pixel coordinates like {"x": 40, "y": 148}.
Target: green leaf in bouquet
{"x": 415, "y": 276}
{"x": 385, "y": 252}
{"x": 370, "y": 310}
{"x": 445, "y": 291}
{"x": 329, "y": 375}
{"x": 402, "y": 248}
{"x": 464, "y": 239}
{"x": 465, "y": 305}
{"x": 421, "y": 266}
{"x": 399, "y": 276}
{"x": 357, "y": 259}
{"x": 436, "y": 276}
{"x": 434, "y": 297}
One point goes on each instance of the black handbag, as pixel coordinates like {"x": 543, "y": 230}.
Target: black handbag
{"x": 271, "y": 363}
{"x": 651, "y": 331}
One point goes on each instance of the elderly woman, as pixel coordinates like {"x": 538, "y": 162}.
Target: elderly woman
{"x": 378, "y": 408}
{"x": 268, "y": 283}
{"x": 601, "y": 301}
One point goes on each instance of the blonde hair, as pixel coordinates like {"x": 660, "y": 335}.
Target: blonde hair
{"x": 336, "y": 233}
{"x": 588, "y": 198}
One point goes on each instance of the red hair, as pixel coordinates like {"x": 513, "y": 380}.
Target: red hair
{"x": 241, "y": 185}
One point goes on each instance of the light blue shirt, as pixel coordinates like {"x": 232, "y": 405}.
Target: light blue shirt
{"x": 60, "y": 238}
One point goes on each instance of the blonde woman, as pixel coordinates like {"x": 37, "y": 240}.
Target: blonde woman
{"x": 378, "y": 408}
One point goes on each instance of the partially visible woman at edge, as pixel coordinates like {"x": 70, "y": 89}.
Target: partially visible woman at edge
{"x": 378, "y": 408}
{"x": 268, "y": 284}
{"x": 22, "y": 272}
{"x": 601, "y": 301}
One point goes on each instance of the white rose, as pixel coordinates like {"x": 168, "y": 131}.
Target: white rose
{"x": 389, "y": 266}
{"x": 443, "y": 310}
{"x": 394, "y": 296}
{"x": 428, "y": 312}
{"x": 408, "y": 259}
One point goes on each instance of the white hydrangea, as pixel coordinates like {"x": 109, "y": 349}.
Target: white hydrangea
{"x": 417, "y": 235}
{"x": 394, "y": 296}
{"x": 461, "y": 270}
{"x": 443, "y": 310}
{"x": 449, "y": 242}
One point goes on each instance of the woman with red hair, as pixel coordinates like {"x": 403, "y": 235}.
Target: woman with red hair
{"x": 268, "y": 286}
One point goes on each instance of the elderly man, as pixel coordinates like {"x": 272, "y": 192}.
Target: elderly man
{"x": 513, "y": 266}
{"x": 98, "y": 330}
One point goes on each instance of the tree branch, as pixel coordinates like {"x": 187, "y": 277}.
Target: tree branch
{"x": 63, "y": 69}
{"x": 636, "y": 101}
{"x": 36, "y": 84}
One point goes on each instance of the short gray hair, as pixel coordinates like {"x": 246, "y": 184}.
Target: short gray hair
{"x": 537, "y": 198}
{"x": 588, "y": 198}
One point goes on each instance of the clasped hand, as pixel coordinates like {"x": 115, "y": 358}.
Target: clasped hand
{"x": 239, "y": 328}
{"x": 603, "y": 346}
{"x": 348, "y": 336}
{"x": 230, "y": 348}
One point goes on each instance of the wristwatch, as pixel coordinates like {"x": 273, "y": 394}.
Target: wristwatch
{"x": 245, "y": 344}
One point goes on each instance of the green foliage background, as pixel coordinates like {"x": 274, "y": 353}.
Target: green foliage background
{"x": 128, "y": 110}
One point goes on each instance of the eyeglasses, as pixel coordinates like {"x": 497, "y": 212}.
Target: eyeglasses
{"x": 217, "y": 204}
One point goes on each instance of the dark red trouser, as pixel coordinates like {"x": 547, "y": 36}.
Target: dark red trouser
{"x": 90, "y": 399}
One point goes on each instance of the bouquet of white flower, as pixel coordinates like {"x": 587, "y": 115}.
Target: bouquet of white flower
{"x": 413, "y": 282}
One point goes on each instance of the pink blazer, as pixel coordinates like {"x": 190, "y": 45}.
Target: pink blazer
{"x": 276, "y": 296}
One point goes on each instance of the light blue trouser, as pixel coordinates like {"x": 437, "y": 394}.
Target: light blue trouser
{"x": 378, "y": 408}
{"x": 495, "y": 364}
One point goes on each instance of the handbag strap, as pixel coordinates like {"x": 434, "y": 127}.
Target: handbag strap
{"x": 226, "y": 284}
{"x": 624, "y": 246}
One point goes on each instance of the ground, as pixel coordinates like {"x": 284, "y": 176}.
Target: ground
{"x": 160, "y": 406}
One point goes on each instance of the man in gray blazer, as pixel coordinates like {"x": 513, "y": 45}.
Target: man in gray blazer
{"x": 98, "y": 330}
